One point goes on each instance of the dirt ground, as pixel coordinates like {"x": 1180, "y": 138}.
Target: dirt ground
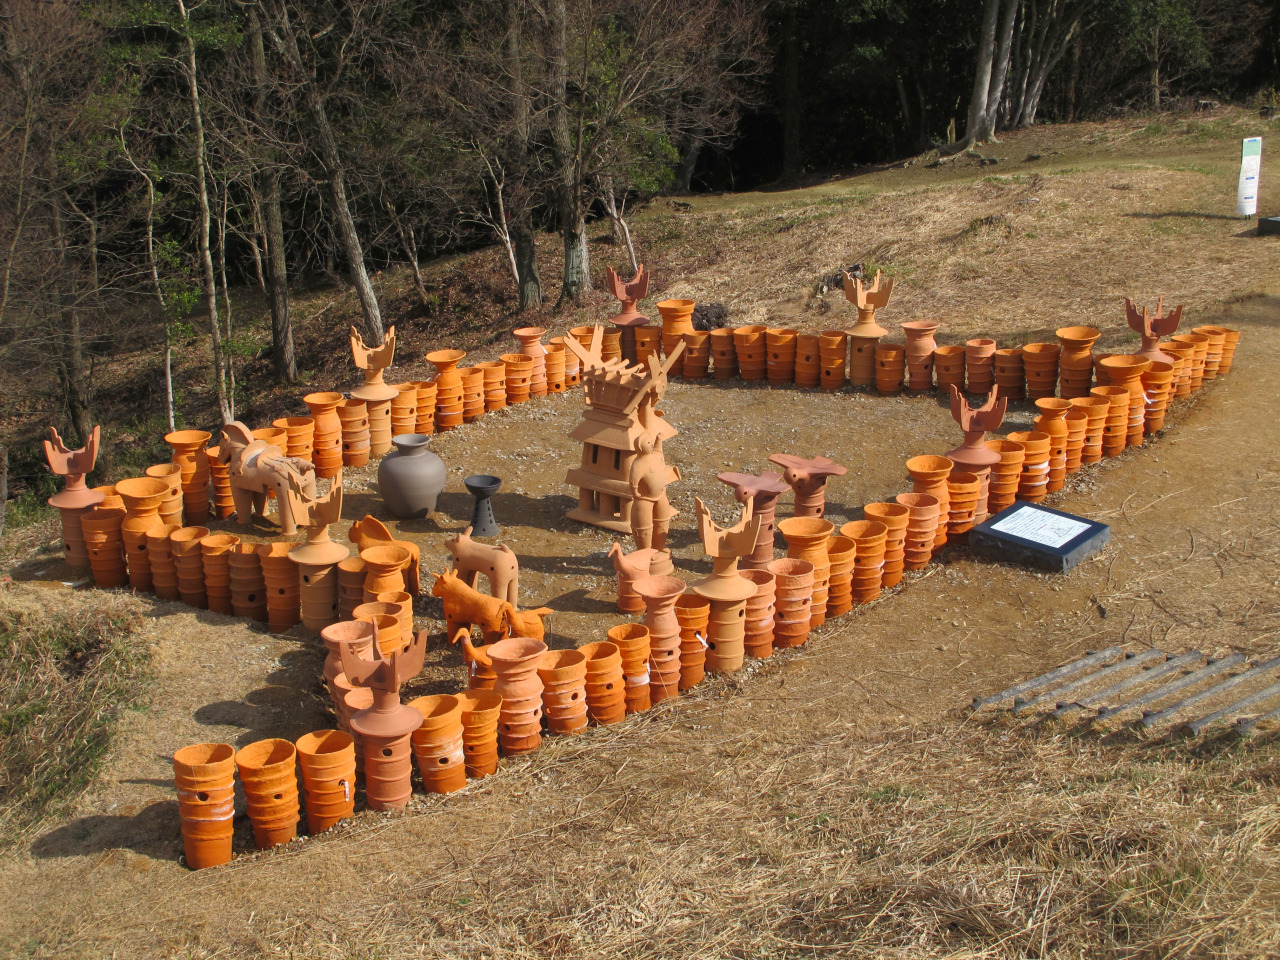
{"x": 827, "y": 799}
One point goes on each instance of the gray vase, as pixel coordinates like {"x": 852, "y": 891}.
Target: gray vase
{"x": 411, "y": 477}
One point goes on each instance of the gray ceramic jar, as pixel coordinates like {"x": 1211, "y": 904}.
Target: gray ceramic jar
{"x": 411, "y": 477}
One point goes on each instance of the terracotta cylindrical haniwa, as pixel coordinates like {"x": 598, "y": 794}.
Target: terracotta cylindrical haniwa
{"x": 1182, "y": 355}
{"x": 280, "y": 575}
{"x": 189, "y": 454}
{"x": 403, "y": 604}
{"x": 648, "y": 344}
{"x": 979, "y": 364}
{"x": 808, "y": 365}
{"x": 448, "y": 390}
{"x": 1002, "y": 488}
{"x": 142, "y": 498}
{"x": 473, "y": 393}
{"x": 1077, "y": 422}
{"x": 404, "y": 409}
{"x": 833, "y": 346}
{"x": 841, "y": 553}
{"x": 929, "y": 475}
{"x": 1075, "y": 360}
{"x": 862, "y": 360}
{"x": 1033, "y": 484}
{"x": 110, "y": 501}
{"x": 724, "y": 355}
{"x": 1200, "y": 343}
{"x": 1095, "y": 410}
{"x": 1213, "y": 356}
{"x": 268, "y": 772}
{"x": 920, "y": 347}
{"x": 351, "y": 575}
{"x": 1127, "y": 371}
{"x": 760, "y": 612}
{"x": 215, "y": 557}
{"x": 384, "y": 570}
{"x": 564, "y": 690}
{"x": 869, "y": 538}
{"x": 963, "y": 490}
{"x": 1116, "y": 426}
{"x": 515, "y": 660}
{"x": 1230, "y": 340}
{"x": 693, "y": 613}
{"x": 188, "y": 562}
{"x": 386, "y": 617}
{"x": 891, "y": 364}
{"x": 606, "y": 694}
{"x": 557, "y": 378}
{"x": 519, "y": 369}
{"x": 807, "y": 540}
{"x": 437, "y": 744}
{"x": 780, "y": 356}
{"x": 358, "y": 634}
{"x": 248, "y": 588}
{"x": 895, "y": 517}
{"x": 1051, "y": 422}
{"x": 922, "y": 528}
{"x": 1040, "y": 365}
{"x": 327, "y": 759}
{"x": 348, "y": 700}
{"x": 495, "y": 383}
{"x": 752, "y": 351}
{"x": 948, "y": 368}
{"x": 677, "y": 320}
{"x": 480, "y": 712}
{"x": 695, "y": 363}
{"x": 1009, "y": 375}
{"x": 171, "y": 506}
{"x": 353, "y": 415}
{"x": 531, "y": 345}
{"x": 632, "y": 641}
{"x": 299, "y": 435}
{"x": 164, "y": 575}
{"x": 224, "y": 501}
{"x": 425, "y": 423}
{"x": 793, "y": 601}
{"x": 1157, "y": 388}
{"x": 660, "y": 595}
{"x": 204, "y": 776}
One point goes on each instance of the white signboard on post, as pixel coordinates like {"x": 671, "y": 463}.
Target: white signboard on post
{"x": 1247, "y": 191}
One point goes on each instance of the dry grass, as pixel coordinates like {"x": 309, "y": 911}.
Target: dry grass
{"x": 67, "y": 673}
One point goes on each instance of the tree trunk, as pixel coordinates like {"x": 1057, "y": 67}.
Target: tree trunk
{"x": 1155, "y": 86}
{"x": 792, "y": 151}
{"x": 1000, "y": 71}
{"x": 982, "y": 72}
{"x": 689, "y": 161}
{"x": 168, "y": 378}
{"x": 568, "y": 151}
{"x": 577, "y": 263}
{"x": 286, "y": 43}
{"x": 4, "y": 486}
{"x": 202, "y": 233}
{"x": 410, "y": 247}
{"x": 530, "y": 280}
{"x": 519, "y": 224}
{"x": 1073, "y": 82}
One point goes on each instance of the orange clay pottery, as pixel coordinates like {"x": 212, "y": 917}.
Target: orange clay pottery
{"x": 384, "y": 565}
{"x": 869, "y": 539}
{"x": 189, "y": 454}
{"x": 353, "y": 415}
{"x": 356, "y": 633}
{"x": 629, "y": 567}
{"x": 1040, "y": 365}
{"x": 425, "y": 422}
{"x": 793, "y": 601}
{"x": 749, "y": 343}
{"x": 280, "y": 574}
{"x": 677, "y": 320}
{"x": 780, "y": 355}
{"x": 606, "y": 696}
{"x": 1075, "y": 360}
{"x": 327, "y": 759}
{"x": 437, "y": 744}
{"x": 515, "y": 660}
{"x": 247, "y": 586}
{"x": 694, "y": 613}
{"x": 1033, "y": 484}
{"x": 758, "y": 637}
{"x": 268, "y": 772}
{"x": 519, "y": 371}
{"x": 171, "y": 506}
{"x": 841, "y": 554}
{"x": 895, "y": 517}
{"x": 1077, "y": 422}
{"x": 972, "y": 456}
{"x": 922, "y": 528}
{"x": 648, "y": 344}
{"x": 564, "y": 690}
{"x": 204, "y": 777}
{"x": 448, "y": 412}
{"x": 1157, "y": 387}
{"x": 979, "y": 365}
{"x": 188, "y": 563}
{"x": 929, "y": 475}
{"x": 1127, "y": 371}
{"x": 962, "y": 500}
{"x": 1051, "y": 422}
{"x": 299, "y": 435}
{"x": 164, "y": 575}
{"x": 763, "y": 492}
{"x": 833, "y": 351}
{"x": 808, "y": 481}
{"x": 224, "y": 501}
{"x": 385, "y": 618}
{"x": 404, "y": 409}
{"x": 480, "y": 712}
{"x": 1200, "y": 344}
{"x": 1095, "y": 410}
{"x": 632, "y": 641}
{"x": 215, "y": 556}
{"x": 1213, "y": 354}
{"x": 531, "y": 346}
{"x": 724, "y": 355}
{"x": 75, "y": 499}
{"x": 1116, "y": 426}
{"x": 695, "y": 362}
{"x": 919, "y": 352}
{"x": 1182, "y": 355}
{"x": 1230, "y": 340}
{"x": 948, "y": 368}
{"x": 142, "y": 498}
{"x": 891, "y": 365}
{"x": 807, "y": 540}
{"x": 1010, "y": 379}
{"x": 1006, "y": 474}
{"x": 660, "y": 594}
{"x": 351, "y": 574}
{"x": 808, "y": 361}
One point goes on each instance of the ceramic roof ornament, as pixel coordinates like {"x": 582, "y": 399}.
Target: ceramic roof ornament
{"x": 867, "y": 299}
{"x": 1152, "y": 326}
{"x": 315, "y": 514}
{"x": 256, "y": 466}
{"x": 976, "y": 422}
{"x": 629, "y": 291}
{"x": 72, "y": 466}
{"x": 373, "y": 361}
{"x": 763, "y": 492}
{"x": 726, "y": 544}
{"x": 728, "y": 592}
{"x": 808, "y": 478}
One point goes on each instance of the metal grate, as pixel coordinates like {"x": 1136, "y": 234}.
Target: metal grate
{"x": 1153, "y": 688}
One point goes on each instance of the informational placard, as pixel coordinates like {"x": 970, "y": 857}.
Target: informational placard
{"x": 1250, "y": 164}
{"x": 1040, "y": 526}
